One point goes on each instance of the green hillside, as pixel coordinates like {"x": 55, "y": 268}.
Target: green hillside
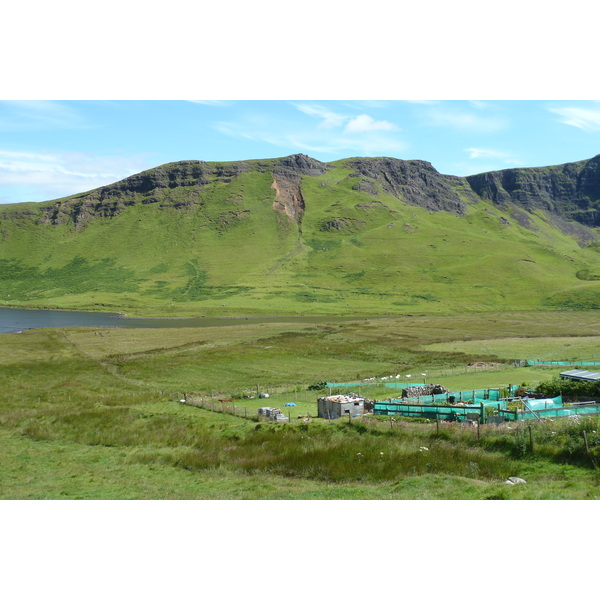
{"x": 293, "y": 236}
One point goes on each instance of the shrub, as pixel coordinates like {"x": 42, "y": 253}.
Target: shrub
{"x": 317, "y": 386}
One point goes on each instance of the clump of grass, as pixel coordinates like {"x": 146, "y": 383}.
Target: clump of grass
{"x": 338, "y": 455}
{"x": 79, "y": 276}
{"x": 561, "y": 441}
{"x": 116, "y": 426}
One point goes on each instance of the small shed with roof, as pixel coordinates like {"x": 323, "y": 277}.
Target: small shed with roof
{"x": 334, "y": 407}
{"x": 580, "y": 375}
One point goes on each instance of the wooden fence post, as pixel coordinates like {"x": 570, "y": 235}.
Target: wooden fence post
{"x": 530, "y": 438}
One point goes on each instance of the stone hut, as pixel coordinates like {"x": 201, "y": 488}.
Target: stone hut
{"x": 334, "y": 407}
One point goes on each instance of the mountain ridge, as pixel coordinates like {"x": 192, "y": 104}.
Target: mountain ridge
{"x": 297, "y": 234}
{"x": 576, "y": 185}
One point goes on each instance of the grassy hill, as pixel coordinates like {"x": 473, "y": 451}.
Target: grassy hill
{"x": 292, "y": 235}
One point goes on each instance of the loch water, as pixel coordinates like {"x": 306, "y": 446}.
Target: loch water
{"x": 13, "y": 320}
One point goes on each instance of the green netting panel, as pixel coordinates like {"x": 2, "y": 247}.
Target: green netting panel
{"x": 477, "y": 395}
{"x": 499, "y": 404}
{"x": 544, "y": 403}
{"x": 561, "y": 363}
{"x": 546, "y": 414}
{"x": 473, "y": 396}
{"x": 550, "y": 413}
{"x": 477, "y": 411}
{"x": 420, "y": 410}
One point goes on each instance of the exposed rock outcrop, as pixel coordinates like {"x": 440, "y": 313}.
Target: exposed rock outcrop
{"x": 342, "y": 224}
{"x": 299, "y": 164}
{"x": 288, "y": 196}
{"x": 287, "y": 176}
{"x": 571, "y": 191}
{"x": 415, "y": 182}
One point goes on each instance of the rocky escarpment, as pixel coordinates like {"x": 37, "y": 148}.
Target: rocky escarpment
{"x": 152, "y": 186}
{"x": 568, "y": 195}
{"x": 415, "y": 182}
{"x": 287, "y": 175}
{"x": 111, "y": 200}
{"x": 570, "y": 191}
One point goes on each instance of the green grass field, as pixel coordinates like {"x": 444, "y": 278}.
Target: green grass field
{"x": 96, "y": 413}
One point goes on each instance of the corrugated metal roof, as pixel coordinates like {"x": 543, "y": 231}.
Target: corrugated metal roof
{"x": 581, "y": 375}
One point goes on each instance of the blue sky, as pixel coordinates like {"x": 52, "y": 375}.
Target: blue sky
{"x": 470, "y": 87}
{"x": 50, "y": 149}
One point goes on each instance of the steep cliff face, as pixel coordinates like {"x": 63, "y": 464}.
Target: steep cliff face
{"x": 413, "y": 181}
{"x": 570, "y": 191}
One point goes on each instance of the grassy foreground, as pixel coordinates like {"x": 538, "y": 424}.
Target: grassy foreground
{"x": 96, "y": 414}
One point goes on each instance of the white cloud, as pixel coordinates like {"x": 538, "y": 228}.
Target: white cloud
{"x": 466, "y": 121}
{"x": 37, "y": 176}
{"x": 316, "y": 141}
{"x": 582, "y": 118}
{"x": 362, "y": 123}
{"x": 479, "y": 104}
{"x": 9, "y": 155}
{"x": 329, "y": 118}
{"x": 39, "y": 115}
{"x": 464, "y": 169}
{"x": 365, "y": 123}
{"x": 233, "y": 130}
{"x": 505, "y": 157}
{"x": 334, "y": 133}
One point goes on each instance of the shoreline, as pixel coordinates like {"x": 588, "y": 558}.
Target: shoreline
{"x": 17, "y": 322}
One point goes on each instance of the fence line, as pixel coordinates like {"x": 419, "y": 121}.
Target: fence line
{"x": 219, "y": 407}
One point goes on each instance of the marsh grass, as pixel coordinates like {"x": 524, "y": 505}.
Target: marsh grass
{"x": 110, "y": 406}
{"x": 559, "y": 440}
{"x": 339, "y": 454}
